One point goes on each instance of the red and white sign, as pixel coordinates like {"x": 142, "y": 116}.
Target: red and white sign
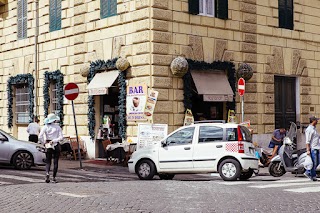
{"x": 241, "y": 86}
{"x": 71, "y": 91}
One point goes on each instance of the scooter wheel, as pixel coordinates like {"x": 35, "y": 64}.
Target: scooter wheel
{"x": 276, "y": 170}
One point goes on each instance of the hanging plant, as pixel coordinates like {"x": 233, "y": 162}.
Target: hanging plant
{"x": 100, "y": 66}
{"x": 27, "y": 79}
{"x": 216, "y": 66}
{"x": 57, "y": 78}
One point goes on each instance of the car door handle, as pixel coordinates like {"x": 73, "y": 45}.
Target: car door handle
{"x": 187, "y": 148}
{"x": 219, "y": 146}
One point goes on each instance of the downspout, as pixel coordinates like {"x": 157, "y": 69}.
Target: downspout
{"x": 36, "y": 108}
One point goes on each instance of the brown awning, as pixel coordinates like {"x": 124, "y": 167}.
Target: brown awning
{"x": 214, "y": 86}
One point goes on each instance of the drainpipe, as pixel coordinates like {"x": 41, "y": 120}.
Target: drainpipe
{"x": 36, "y": 109}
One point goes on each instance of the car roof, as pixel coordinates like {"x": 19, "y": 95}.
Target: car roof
{"x": 222, "y": 125}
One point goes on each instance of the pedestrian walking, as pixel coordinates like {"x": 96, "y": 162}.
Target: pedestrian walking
{"x": 34, "y": 130}
{"x": 313, "y": 146}
{"x": 50, "y": 136}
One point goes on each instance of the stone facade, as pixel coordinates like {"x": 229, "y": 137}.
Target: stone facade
{"x": 150, "y": 34}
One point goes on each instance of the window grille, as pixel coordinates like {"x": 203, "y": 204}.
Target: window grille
{"x": 22, "y": 104}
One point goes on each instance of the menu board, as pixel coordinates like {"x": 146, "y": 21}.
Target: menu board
{"x": 136, "y": 102}
{"x": 151, "y": 134}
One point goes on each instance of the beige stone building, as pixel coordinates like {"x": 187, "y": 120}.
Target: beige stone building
{"x": 279, "y": 39}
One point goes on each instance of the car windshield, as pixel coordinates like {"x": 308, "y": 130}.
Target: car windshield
{"x": 8, "y": 135}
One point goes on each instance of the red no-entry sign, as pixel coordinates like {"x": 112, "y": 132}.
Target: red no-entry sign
{"x": 241, "y": 86}
{"x": 71, "y": 91}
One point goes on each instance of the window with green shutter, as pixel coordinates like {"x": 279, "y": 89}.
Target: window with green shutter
{"x": 286, "y": 14}
{"x": 108, "y": 8}
{"x": 213, "y": 8}
{"x": 55, "y": 15}
{"x": 22, "y": 19}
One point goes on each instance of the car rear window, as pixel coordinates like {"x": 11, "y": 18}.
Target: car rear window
{"x": 246, "y": 135}
{"x": 232, "y": 134}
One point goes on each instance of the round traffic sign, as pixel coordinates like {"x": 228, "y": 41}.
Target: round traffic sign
{"x": 71, "y": 91}
{"x": 241, "y": 86}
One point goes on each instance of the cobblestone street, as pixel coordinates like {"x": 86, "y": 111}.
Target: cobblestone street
{"x": 100, "y": 188}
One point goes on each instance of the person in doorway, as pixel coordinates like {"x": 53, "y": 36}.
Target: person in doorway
{"x": 313, "y": 146}
{"x": 276, "y": 140}
{"x": 50, "y": 136}
{"x": 34, "y": 130}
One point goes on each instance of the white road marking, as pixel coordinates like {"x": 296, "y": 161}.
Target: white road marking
{"x": 304, "y": 190}
{"x": 237, "y": 183}
{"x": 71, "y": 195}
{"x": 5, "y": 183}
{"x": 276, "y": 185}
{"x": 21, "y": 178}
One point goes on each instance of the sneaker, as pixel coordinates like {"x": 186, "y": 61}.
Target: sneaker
{"x": 307, "y": 175}
{"x": 54, "y": 180}
{"x": 47, "y": 178}
{"x": 314, "y": 179}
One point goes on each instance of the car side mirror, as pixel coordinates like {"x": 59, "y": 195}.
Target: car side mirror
{"x": 3, "y": 139}
{"x": 164, "y": 143}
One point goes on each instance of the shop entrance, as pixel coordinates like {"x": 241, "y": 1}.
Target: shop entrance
{"x": 204, "y": 110}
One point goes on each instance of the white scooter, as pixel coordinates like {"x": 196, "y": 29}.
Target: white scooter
{"x": 288, "y": 159}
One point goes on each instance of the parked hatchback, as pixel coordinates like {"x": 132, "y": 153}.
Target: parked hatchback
{"x": 199, "y": 148}
{"x": 20, "y": 154}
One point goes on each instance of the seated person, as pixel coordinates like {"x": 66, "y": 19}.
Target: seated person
{"x": 276, "y": 140}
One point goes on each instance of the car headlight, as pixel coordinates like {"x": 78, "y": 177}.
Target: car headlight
{"x": 41, "y": 149}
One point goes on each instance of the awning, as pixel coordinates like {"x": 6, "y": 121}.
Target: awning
{"x": 214, "y": 86}
{"x": 101, "y": 82}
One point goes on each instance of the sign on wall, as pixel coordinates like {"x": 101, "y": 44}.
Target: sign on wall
{"x": 136, "y": 102}
{"x": 151, "y": 134}
{"x": 151, "y": 104}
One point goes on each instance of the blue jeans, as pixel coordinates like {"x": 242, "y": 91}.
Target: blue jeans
{"x": 315, "y": 156}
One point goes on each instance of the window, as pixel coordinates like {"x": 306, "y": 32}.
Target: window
{"x": 232, "y": 134}
{"x": 22, "y": 103}
{"x": 54, "y": 98}
{"x": 108, "y": 8}
{"x": 210, "y": 134}
{"x": 182, "y": 137}
{"x": 214, "y": 8}
{"x": 286, "y": 14}
{"x": 22, "y": 19}
{"x": 55, "y": 15}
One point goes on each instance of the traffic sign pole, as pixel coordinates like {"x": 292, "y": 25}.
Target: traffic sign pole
{"x": 241, "y": 91}
{"x": 71, "y": 92}
{"x": 75, "y": 125}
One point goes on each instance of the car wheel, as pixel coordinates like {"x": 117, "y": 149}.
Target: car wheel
{"x": 166, "y": 176}
{"x": 22, "y": 160}
{"x": 276, "y": 170}
{"x": 229, "y": 170}
{"x": 146, "y": 170}
{"x": 246, "y": 175}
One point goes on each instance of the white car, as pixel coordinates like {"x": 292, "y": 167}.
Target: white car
{"x": 199, "y": 148}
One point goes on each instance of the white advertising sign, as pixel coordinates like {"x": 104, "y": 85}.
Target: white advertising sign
{"x": 136, "y": 102}
{"x": 150, "y": 134}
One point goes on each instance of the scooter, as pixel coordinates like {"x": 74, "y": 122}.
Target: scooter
{"x": 288, "y": 159}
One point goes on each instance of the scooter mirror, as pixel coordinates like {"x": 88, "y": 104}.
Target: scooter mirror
{"x": 298, "y": 124}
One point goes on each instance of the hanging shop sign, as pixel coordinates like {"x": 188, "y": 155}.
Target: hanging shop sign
{"x": 188, "y": 118}
{"x": 151, "y": 104}
{"x": 151, "y": 134}
{"x": 136, "y": 102}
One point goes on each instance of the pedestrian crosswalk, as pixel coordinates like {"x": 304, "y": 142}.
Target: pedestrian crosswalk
{"x": 297, "y": 185}
{"x": 12, "y": 177}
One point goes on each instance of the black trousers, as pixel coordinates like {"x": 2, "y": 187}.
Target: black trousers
{"x": 53, "y": 154}
{"x": 33, "y": 138}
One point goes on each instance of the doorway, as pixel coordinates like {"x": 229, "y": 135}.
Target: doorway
{"x": 285, "y": 101}
{"x": 203, "y": 110}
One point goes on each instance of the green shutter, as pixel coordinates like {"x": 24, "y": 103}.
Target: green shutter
{"x": 52, "y": 15}
{"x": 221, "y": 9}
{"x": 58, "y": 14}
{"x": 103, "y": 8}
{"x": 113, "y": 7}
{"x": 20, "y": 20}
{"x": 55, "y": 15}
{"x": 285, "y": 9}
{"x": 25, "y": 18}
{"x": 194, "y": 7}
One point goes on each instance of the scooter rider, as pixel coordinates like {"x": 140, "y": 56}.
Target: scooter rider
{"x": 313, "y": 146}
